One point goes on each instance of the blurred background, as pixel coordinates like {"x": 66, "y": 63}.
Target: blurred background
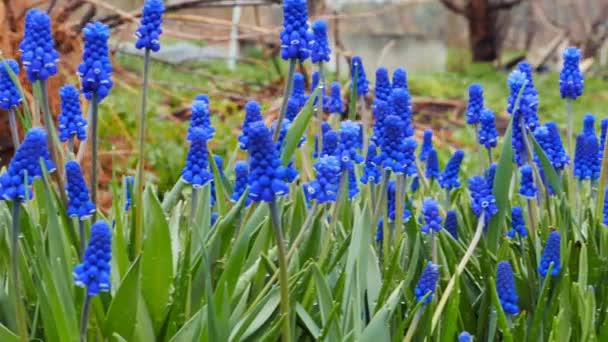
{"x": 228, "y": 49}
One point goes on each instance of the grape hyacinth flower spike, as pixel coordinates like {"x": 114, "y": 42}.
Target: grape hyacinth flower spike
{"x": 358, "y": 72}
{"x": 549, "y": 139}
{"x": 383, "y": 87}
{"x": 71, "y": 122}
{"x": 551, "y": 254}
{"x": 487, "y": 132}
{"x": 505, "y": 287}
{"x": 196, "y": 171}
{"x": 10, "y": 97}
{"x": 371, "y": 171}
{"x": 427, "y": 144}
{"x": 400, "y": 79}
{"x": 129, "y": 182}
{"x": 475, "y": 105}
{"x": 451, "y": 223}
{"x": 518, "y": 224}
{"x": 38, "y": 54}
{"x": 483, "y": 201}
{"x": 586, "y": 163}
{"x": 432, "y": 166}
{"x": 401, "y": 106}
{"x": 571, "y": 80}
{"x": 149, "y": 31}
{"x": 449, "y": 178}
{"x": 396, "y": 151}
{"x": 427, "y": 283}
{"x": 432, "y": 217}
{"x": 334, "y": 104}
{"x": 527, "y": 188}
{"x": 253, "y": 113}
{"x": 241, "y": 172}
{"x": 320, "y": 50}
{"x": 200, "y": 118}
{"x": 79, "y": 202}
{"x": 324, "y": 188}
{"x": 95, "y": 270}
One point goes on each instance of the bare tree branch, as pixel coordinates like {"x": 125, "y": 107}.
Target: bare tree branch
{"x": 454, "y": 7}
{"x": 505, "y": 4}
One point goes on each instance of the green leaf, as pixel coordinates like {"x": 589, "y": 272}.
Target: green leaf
{"x": 540, "y": 310}
{"x": 502, "y": 318}
{"x": 325, "y": 302}
{"x": 156, "y": 260}
{"x": 259, "y": 316}
{"x": 548, "y": 169}
{"x": 377, "y": 330}
{"x": 449, "y": 321}
{"x": 220, "y": 192}
{"x": 502, "y": 182}
{"x": 307, "y": 321}
{"x": 7, "y": 335}
{"x": 123, "y": 309}
{"x": 297, "y": 129}
{"x": 191, "y": 330}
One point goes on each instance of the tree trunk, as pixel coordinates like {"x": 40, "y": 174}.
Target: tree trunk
{"x": 483, "y": 31}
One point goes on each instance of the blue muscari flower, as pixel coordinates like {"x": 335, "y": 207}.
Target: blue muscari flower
{"x": 449, "y": 178}
{"x": 432, "y": 165}
{"x": 483, "y": 199}
{"x": 294, "y": 37}
{"x": 516, "y": 81}
{"x": 427, "y": 144}
{"x": 604, "y": 128}
{"x": 9, "y": 94}
{"x": 586, "y": 162}
{"x": 325, "y": 188}
{"x": 353, "y": 185}
{"x": 149, "y": 31}
{"x": 349, "y": 142}
{"x": 451, "y": 223}
{"x": 571, "y": 80}
{"x": 391, "y": 201}
{"x": 505, "y": 287}
{"x": 415, "y": 183}
{"x": 290, "y": 172}
{"x": 79, "y": 202}
{"x": 487, "y": 130}
{"x": 265, "y": 171}
{"x": 26, "y": 161}
{"x": 96, "y": 70}
{"x": 299, "y": 89}
{"x": 331, "y": 144}
{"x": 465, "y": 337}
{"x": 129, "y": 181}
{"x": 432, "y": 217}
{"x": 293, "y": 108}
{"x": 252, "y": 114}
{"x": 549, "y": 140}
{"x": 319, "y": 47}
{"x": 362, "y": 84}
{"x": 38, "y": 56}
{"x": 196, "y": 171}
{"x": 518, "y": 224}
{"x": 333, "y": 104}
{"x": 383, "y": 87}
{"x": 95, "y": 269}
{"x": 71, "y": 122}
{"x": 491, "y": 174}
{"x": 202, "y": 97}
{"x": 325, "y": 127}
{"x": 200, "y": 118}
{"x": 371, "y": 171}
{"x": 475, "y": 105}
{"x": 400, "y": 79}
{"x": 401, "y": 106}
{"x": 380, "y": 110}
{"x": 241, "y": 172}
{"x": 529, "y": 101}
{"x": 397, "y": 153}
{"x": 379, "y": 231}
{"x": 427, "y": 283}
{"x": 551, "y": 254}
{"x": 526, "y": 185}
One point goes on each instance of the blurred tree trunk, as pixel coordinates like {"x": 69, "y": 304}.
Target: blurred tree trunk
{"x": 484, "y": 29}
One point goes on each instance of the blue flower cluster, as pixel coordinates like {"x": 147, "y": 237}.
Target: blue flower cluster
{"x": 571, "y": 81}
{"x": 550, "y": 141}
{"x": 295, "y": 36}
{"x": 483, "y": 201}
{"x": 432, "y": 217}
{"x": 427, "y": 283}
{"x": 551, "y": 254}
{"x": 400, "y": 79}
{"x": 475, "y": 105}
{"x": 241, "y": 172}
{"x": 79, "y": 202}
{"x": 95, "y": 270}
{"x": 401, "y": 106}
{"x": 26, "y": 163}
{"x": 71, "y": 122}
{"x": 391, "y": 198}
{"x": 266, "y": 175}
{"x": 96, "y": 70}
{"x": 586, "y": 162}
{"x": 432, "y": 166}
{"x": 371, "y": 171}
{"x": 518, "y": 224}
{"x": 449, "y": 178}
{"x": 319, "y": 47}
{"x": 383, "y": 88}
{"x": 196, "y": 171}
{"x": 200, "y": 118}
{"x": 381, "y": 110}
{"x": 149, "y": 31}
{"x": 298, "y": 92}
{"x": 253, "y": 113}
{"x": 362, "y": 83}
{"x": 487, "y": 130}
{"x": 333, "y": 104}
{"x": 9, "y": 94}
{"x": 325, "y": 188}
{"x": 350, "y": 142}
{"x": 38, "y": 55}
{"x": 527, "y": 188}
{"x": 505, "y": 287}
{"x": 451, "y": 223}
{"x": 427, "y": 144}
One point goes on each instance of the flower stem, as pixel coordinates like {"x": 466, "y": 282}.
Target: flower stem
{"x": 94, "y": 137}
{"x": 399, "y": 196}
{"x": 283, "y": 277}
{"x": 84, "y": 318}
{"x": 490, "y": 161}
{"x": 14, "y": 131}
{"x": 82, "y": 237}
{"x": 412, "y": 329}
{"x": 139, "y": 213}
{"x": 286, "y": 95}
{"x": 570, "y": 130}
{"x": 382, "y": 197}
{"x": 320, "y": 104}
{"x": 19, "y": 308}
{"x": 479, "y": 147}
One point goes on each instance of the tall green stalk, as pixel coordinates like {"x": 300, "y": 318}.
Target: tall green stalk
{"x": 84, "y": 318}
{"x": 94, "y": 137}
{"x": 12, "y": 120}
{"x": 601, "y": 189}
{"x": 320, "y": 104}
{"x": 82, "y": 237}
{"x": 283, "y": 277}
{"x": 399, "y": 197}
{"x": 139, "y": 208}
{"x": 286, "y": 95}
{"x": 19, "y": 308}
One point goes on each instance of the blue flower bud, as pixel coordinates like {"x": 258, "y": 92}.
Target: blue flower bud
{"x": 371, "y": 171}
{"x": 253, "y": 113}
{"x": 586, "y": 163}
{"x": 475, "y": 105}
{"x": 432, "y": 217}
{"x": 320, "y": 50}
{"x": 196, "y": 171}
{"x": 451, "y": 223}
{"x": 9, "y": 93}
{"x": 299, "y": 89}
{"x": 71, "y": 122}
{"x": 95, "y": 270}
{"x": 465, "y": 337}
{"x": 483, "y": 199}
{"x": 487, "y": 130}
{"x": 449, "y": 178}
{"x": 38, "y": 55}
{"x": 432, "y": 165}
{"x": 362, "y": 84}
{"x": 325, "y": 188}
{"x": 518, "y": 224}
{"x": 96, "y": 69}
{"x": 427, "y": 283}
{"x": 383, "y": 87}
{"x": 294, "y": 37}
{"x": 400, "y": 79}
{"x": 527, "y": 188}
{"x": 391, "y": 196}
{"x": 79, "y": 202}
{"x": 549, "y": 140}
{"x": 334, "y": 104}
{"x": 200, "y": 119}
{"x": 149, "y": 31}
{"x": 571, "y": 80}
{"x": 427, "y": 144}
{"x": 505, "y": 287}
{"x": 129, "y": 181}
{"x": 380, "y": 110}
{"x": 241, "y": 172}
{"x": 401, "y": 106}
{"x": 551, "y": 254}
